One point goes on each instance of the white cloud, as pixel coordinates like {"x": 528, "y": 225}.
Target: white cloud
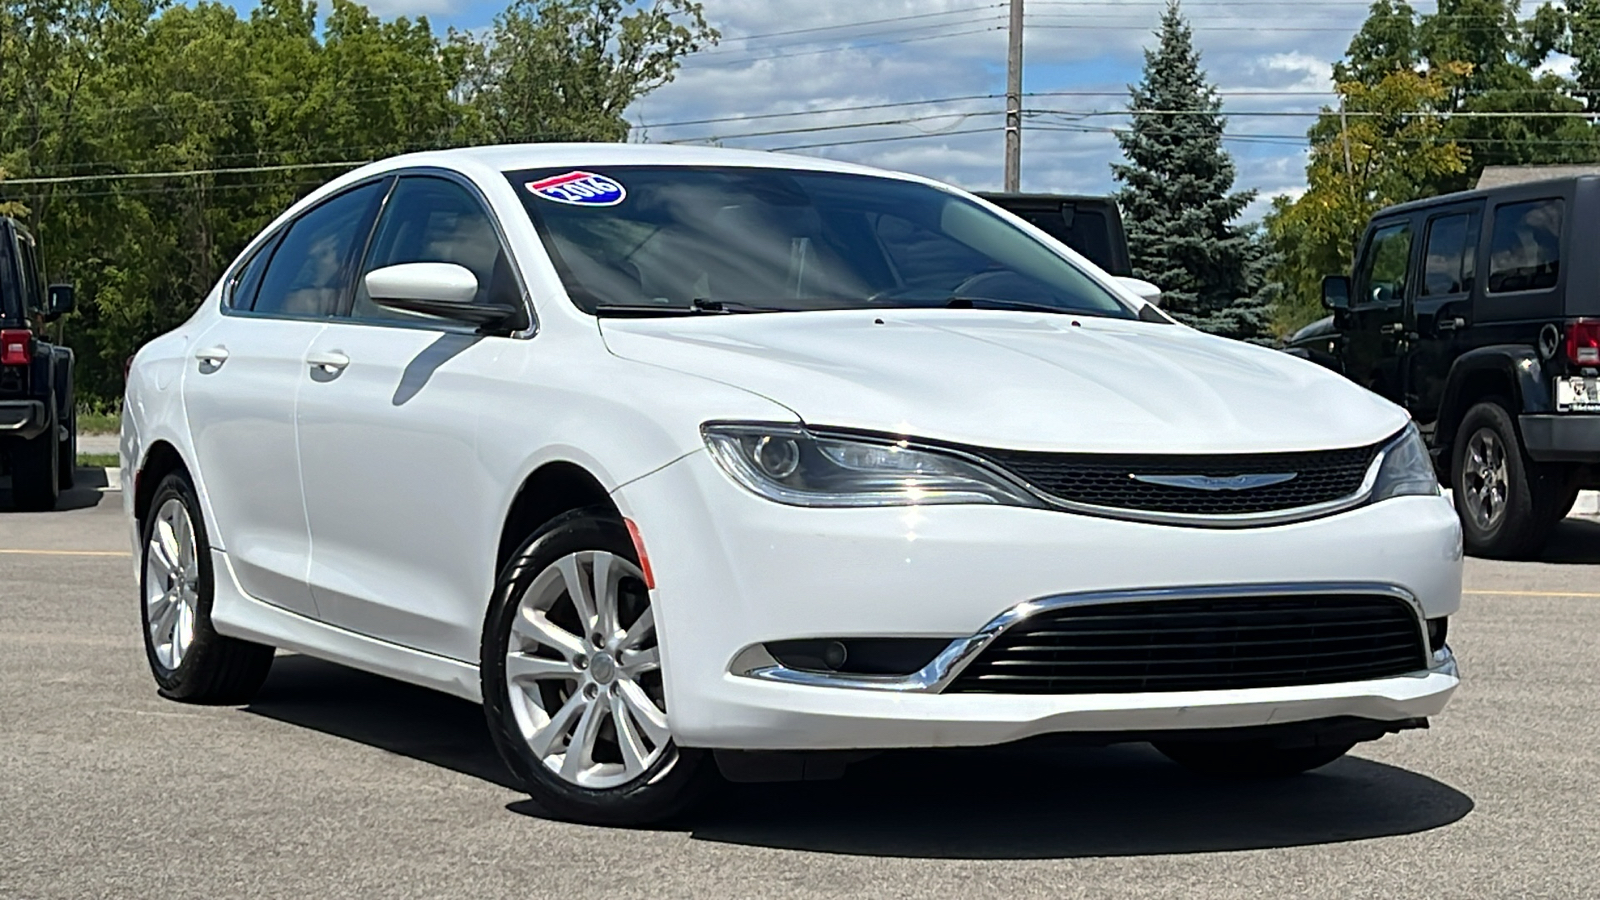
{"x": 1266, "y": 59}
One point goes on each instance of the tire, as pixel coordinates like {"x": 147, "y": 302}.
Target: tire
{"x": 35, "y": 478}
{"x": 1507, "y": 502}
{"x": 190, "y": 661}
{"x": 549, "y": 686}
{"x": 67, "y": 465}
{"x": 1249, "y": 759}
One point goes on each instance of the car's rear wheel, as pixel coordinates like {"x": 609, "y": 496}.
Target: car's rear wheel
{"x": 572, "y": 684}
{"x": 189, "y": 659}
{"x": 35, "y": 484}
{"x": 1249, "y": 759}
{"x": 1508, "y": 503}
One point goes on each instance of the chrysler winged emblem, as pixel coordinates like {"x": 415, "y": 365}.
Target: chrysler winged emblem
{"x": 1216, "y": 482}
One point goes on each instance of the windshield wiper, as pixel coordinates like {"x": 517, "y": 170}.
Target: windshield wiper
{"x": 697, "y": 307}
{"x": 1021, "y": 305}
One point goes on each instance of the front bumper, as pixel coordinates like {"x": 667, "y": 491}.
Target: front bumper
{"x": 733, "y": 570}
{"x": 1567, "y": 437}
{"x": 25, "y": 419}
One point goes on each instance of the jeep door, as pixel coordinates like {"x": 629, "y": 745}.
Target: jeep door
{"x": 1441, "y": 306}
{"x": 1374, "y": 326}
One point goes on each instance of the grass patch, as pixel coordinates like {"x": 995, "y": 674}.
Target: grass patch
{"x": 99, "y": 422}
{"x": 98, "y": 461}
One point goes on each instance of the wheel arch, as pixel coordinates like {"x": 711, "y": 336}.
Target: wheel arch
{"x": 1510, "y": 370}
{"x": 555, "y": 487}
{"x": 161, "y": 460}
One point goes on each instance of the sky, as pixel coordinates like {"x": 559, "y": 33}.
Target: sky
{"x": 920, "y": 82}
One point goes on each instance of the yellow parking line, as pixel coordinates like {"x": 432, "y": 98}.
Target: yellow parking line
{"x": 1531, "y": 594}
{"x": 65, "y": 553}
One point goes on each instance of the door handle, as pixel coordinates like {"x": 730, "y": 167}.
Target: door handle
{"x": 1450, "y": 324}
{"x": 332, "y": 361}
{"x": 212, "y": 356}
{"x": 1392, "y": 328}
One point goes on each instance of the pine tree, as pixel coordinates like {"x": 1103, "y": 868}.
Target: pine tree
{"x": 1178, "y": 200}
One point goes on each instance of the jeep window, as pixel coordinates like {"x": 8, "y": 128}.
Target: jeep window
{"x": 1451, "y": 255}
{"x": 789, "y": 240}
{"x": 28, "y": 263}
{"x": 1525, "y": 253}
{"x": 1383, "y": 276}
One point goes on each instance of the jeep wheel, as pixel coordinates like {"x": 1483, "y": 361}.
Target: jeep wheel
{"x": 35, "y": 479}
{"x": 67, "y": 465}
{"x": 1507, "y": 502}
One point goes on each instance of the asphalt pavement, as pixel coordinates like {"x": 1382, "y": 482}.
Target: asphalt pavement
{"x": 338, "y": 784}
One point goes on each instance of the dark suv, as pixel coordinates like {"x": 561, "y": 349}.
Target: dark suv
{"x": 38, "y": 426}
{"x": 1090, "y": 225}
{"x": 1480, "y": 313}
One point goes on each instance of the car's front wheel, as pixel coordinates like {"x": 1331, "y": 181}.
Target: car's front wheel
{"x": 1249, "y": 759}
{"x": 572, "y": 686}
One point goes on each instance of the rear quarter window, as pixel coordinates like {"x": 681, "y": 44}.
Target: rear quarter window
{"x": 1525, "y": 248}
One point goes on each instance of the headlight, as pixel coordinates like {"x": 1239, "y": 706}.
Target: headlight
{"x": 789, "y": 464}
{"x": 1407, "y": 468}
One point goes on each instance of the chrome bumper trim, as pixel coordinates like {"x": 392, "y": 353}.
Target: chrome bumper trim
{"x": 755, "y": 662}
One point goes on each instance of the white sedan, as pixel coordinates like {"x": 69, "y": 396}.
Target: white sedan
{"x": 687, "y": 460}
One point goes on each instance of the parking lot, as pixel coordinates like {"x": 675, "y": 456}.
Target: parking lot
{"x": 339, "y": 784}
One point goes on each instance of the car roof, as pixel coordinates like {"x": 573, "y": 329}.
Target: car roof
{"x": 1518, "y": 187}
{"x": 514, "y": 157}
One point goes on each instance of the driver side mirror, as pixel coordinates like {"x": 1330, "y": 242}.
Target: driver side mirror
{"x": 444, "y": 290}
{"x": 1336, "y": 292}
{"x": 61, "y": 299}
{"x": 1142, "y": 289}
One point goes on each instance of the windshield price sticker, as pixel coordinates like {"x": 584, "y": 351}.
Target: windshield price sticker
{"x": 1578, "y": 394}
{"x": 580, "y": 189}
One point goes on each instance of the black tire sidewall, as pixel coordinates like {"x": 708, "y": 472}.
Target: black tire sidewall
{"x": 35, "y": 470}
{"x": 650, "y": 797}
{"x": 1530, "y": 490}
{"x": 173, "y": 682}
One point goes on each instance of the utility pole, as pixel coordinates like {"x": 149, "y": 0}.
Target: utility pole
{"x": 1014, "y": 101}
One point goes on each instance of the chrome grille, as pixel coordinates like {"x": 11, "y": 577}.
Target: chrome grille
{"x": 1201, "y": 644}
{"x": 1107, "y": 480}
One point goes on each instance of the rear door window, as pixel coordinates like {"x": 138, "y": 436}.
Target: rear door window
{"x": 1450, "y": 260}
{"x": 1525, "y": 249}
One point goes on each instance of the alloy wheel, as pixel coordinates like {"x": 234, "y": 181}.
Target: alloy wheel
{"x": 171, "y": 583}
{"x": 1484, "y": 479}
{"x": 583, "y": 671}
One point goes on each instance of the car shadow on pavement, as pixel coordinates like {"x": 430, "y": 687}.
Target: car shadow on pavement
{"x": 1036, "y": 800}
{"x": 1044, "y": 800}
{"x": 381, "y": 712}
{"x": 1576, "y": 540}
{"x": 88, "y": 490}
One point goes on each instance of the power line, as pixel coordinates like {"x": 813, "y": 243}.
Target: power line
{"x": 948, "y": 12}
{"x": 838, "y": 127}
{"x": 881, "y": 140}
{"x": 930, "y": 37}
{"x": 815, "y": 112}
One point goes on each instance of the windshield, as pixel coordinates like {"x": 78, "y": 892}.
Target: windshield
{"x": 673, "y": 237}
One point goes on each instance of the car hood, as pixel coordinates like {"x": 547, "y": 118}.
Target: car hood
{"x": 1024, "y": 381}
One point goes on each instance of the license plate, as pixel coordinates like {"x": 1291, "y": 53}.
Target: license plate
{"x": 1578, "y": 394}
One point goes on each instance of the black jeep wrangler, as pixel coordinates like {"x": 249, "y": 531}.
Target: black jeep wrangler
{"x": 1090, "y": 225}
{"x": 1480, "y": 313}
{"x": 38, "y": 424}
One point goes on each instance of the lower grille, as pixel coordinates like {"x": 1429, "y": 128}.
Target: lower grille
{"x": 1201, "y": 644}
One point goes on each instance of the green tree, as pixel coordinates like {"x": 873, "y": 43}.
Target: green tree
{"x": 566, "y": 69}
{"x": 1386, "y": 148}
{"x": 1178, "y": 197}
